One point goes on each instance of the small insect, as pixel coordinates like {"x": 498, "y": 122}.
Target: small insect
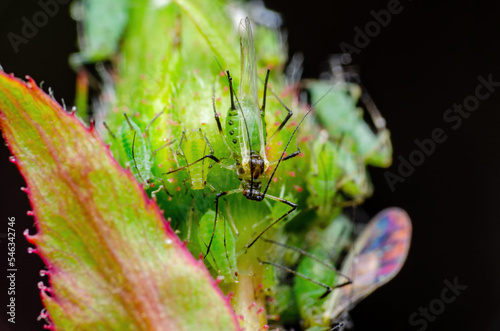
{"x": 315, "y": 274}
{"x": 135, "y": 151}
{"x": 223, "y": 249}
{"x": 341, "y": 117}
{"x": 195, "y": 150}
{"x": 245, "y": 133}
{"x": 376, "y": 257}
{"x": 335, "y": 169}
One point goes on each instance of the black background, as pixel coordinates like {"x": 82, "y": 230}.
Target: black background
{"x": 424, "y": 61}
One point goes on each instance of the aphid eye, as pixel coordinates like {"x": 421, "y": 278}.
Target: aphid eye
{"x": 231, "y": 132}
{"x": 230, "y": 122}
{"x": 235, "y": 141}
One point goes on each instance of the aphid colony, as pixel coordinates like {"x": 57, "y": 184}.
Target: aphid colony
{"x": 227, "y": 185}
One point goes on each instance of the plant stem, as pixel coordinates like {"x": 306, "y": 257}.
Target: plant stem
{"x": 249, "y": 302}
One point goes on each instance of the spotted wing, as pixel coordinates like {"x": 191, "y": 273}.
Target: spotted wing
{"x": 251, "y": 123}
{"x": 377, "y": 256}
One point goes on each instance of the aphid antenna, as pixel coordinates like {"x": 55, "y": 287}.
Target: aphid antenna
{"x": 291, "y": 137}
{"x": 154, "y": 119}
{"x": 311, "y": 256}
{"x": 133, "y": 158}
{"x": 329, "y": 289}
{"x": 128, "y": 121}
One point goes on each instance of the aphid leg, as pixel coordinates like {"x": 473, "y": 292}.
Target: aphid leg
{"x": 221, "y": 194}
{"x": 135, "y": 162}
{"x": 212, "y": 190}
{"x": 165, "y": 187}
{"x": 286, "y": 202}
{"x": 288, "y": 157}
{"x": 109, "y": 130}
{"x": 383, "y": 137}
{"x": 290, "y": 113}
{"x": 179, "y": 148}
{"x": 263, "y": 108}
{"x": 204, "y": 243}
{"x": 133, "y": 152}
{"x": 338, "y": 327}
{"x": 329, "y": 289}
{"x": 233, "y": 226}
{"x": 153, "y": 194}
{"x": 185, "y": 186}
{"x": 217, "y": 118}
{"x": 376, "y": 116}
{"x": 146, "y": 131}
{"x": 309, "y": 255}
{"x": 209, "y": 156}
{"x": 225, "y": 250}
{"x": 161, "y": 147}
{"x": 190, "y": 224}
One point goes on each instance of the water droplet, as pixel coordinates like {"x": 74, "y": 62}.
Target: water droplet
{"x": 12, "y": 159}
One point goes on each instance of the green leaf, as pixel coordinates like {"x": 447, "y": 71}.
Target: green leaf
{"x": 114, "y": 262}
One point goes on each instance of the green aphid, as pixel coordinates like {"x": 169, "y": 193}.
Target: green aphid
{"x": 330, "y": 244}
{"x": 315, "y": 277}
{"x": 193, "y": 147}
{"x": 222, "y": 255}
{"x": 340, "y": 116}
{"x": 245, "y": 134}
{"x": 135, "y": 152}
{"x": 335, "y": 169}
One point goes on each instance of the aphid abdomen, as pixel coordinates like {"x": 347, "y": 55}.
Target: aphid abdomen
{"x": 194, "y": 148}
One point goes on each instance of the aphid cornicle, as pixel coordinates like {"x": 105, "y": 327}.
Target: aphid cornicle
{"x": 245, "y": 133}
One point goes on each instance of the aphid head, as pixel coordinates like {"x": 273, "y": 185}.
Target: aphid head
{"x": 253, "y": 194}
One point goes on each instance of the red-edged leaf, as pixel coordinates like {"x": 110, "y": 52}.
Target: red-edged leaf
{"x": 114, "y": 263}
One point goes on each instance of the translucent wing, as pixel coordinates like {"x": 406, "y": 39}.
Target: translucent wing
{"x": 248, "y": 93}
{"x": 378, "y": 255}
